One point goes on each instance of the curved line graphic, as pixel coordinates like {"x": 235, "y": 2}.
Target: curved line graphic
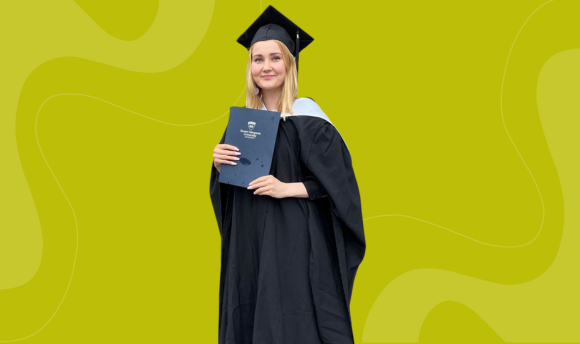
{"x": 68, "y": 201}
{"x": 515, "y": 147}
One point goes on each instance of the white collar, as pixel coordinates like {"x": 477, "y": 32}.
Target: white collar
{"x": 303, "y": 106}
{"x": 306, "y": 107}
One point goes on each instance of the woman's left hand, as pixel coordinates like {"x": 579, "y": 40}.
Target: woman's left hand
{"x": 269, "y": 185}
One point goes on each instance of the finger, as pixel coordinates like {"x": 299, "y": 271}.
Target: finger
{"x": 227, "y": 157}
{"x": 258, "y": 185}
{"x": 262, "y": 191}
{"x": 223, "y": 159}
{"x": 259, "y": 191}
{"x": 258, "y": 180}
{"x": 226, "y": 152}
{"x": 225, "y": 162}
{"x": 227, "y": 146}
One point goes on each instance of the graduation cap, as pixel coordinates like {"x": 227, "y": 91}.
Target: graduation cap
{"x": 272, "y": 24}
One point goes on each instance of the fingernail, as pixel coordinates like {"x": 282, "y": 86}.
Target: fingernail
{"x": 233, "y": 163}
{"x": 237, "y": 149}
{"x": 236, "y": 158}
{"x": 238, "y": 153}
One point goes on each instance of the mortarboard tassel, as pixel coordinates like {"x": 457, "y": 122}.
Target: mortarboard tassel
{"x": 297, "y": 50}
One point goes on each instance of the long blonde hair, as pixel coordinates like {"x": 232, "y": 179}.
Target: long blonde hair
{"x": 289, "y": 88}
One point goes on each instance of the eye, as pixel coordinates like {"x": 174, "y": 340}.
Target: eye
{"x": 256, "y": 60}
{"x": 277, "y": 57}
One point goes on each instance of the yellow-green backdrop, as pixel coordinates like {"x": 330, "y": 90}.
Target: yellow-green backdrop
{"x": 462, "y": 118}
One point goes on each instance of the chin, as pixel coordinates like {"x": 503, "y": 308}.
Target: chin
{"x": 271, "y": 87}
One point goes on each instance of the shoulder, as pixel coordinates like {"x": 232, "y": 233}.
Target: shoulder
{"x": 306, "y": 105}
{"x": 304, "y": 100}
{"x": 312, "y": 127}
{"x": 309, "y": 112}
{"x": 306, "y": 123}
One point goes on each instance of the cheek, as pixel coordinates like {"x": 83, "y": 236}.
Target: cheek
{"x": 282, "y": 75}
{"x": 281, "y": 70}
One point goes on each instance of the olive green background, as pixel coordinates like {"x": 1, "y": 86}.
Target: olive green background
{"x": 462, "y": 118}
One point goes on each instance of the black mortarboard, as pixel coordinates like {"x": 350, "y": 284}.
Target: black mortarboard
{"x": 272, "y": 24}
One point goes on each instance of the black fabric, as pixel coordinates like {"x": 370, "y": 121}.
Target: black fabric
{"x": 288, "y": 265}
{"x": 272, "y": 24}
{"x": 314, "y": 188}
{"x": 273, "y": 31}
{"x": 260, "y": 30}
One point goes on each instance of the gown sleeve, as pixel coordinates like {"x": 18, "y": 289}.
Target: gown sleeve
{"x": 327, "y": 157}
{"x": 314, "y": 188}
{"x": 219, "y": 194}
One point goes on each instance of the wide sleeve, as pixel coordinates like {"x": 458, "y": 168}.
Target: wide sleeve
{"x": 219, "y": 194}
{"x": 313, "y": 187}
{"x": 327, "y": 157}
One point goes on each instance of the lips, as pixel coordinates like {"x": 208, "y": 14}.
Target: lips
{"x": 268, "y": 76}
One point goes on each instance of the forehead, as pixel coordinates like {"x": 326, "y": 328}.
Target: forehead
{"x": 265, "y": 48}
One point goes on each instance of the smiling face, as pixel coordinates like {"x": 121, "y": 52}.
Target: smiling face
{"x": 268, "y": 68}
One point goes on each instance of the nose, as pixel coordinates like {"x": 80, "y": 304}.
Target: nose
{"x": 266, "y": 65}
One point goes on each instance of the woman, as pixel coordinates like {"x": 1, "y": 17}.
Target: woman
{"x": 292, "y": 242}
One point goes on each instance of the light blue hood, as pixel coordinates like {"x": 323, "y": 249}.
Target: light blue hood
{"x": 308, "y": 107}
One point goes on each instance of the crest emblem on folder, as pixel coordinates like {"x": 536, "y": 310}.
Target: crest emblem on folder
{"x": 251, "y": 125}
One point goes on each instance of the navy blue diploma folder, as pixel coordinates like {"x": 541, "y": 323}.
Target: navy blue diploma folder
{"x": 254, "y": 133}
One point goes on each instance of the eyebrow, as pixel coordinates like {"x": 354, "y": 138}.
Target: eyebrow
{"x": 270, "y": 54}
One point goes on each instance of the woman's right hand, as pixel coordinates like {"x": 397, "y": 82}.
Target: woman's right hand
{"x": 224, "y": 154}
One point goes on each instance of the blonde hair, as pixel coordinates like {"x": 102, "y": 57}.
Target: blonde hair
{"x": 289, "y": 88}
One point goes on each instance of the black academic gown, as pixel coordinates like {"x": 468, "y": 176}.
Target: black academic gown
{"x": 288, "y": 265}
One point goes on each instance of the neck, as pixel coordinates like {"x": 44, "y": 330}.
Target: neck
{"x": 271, "y": 97}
